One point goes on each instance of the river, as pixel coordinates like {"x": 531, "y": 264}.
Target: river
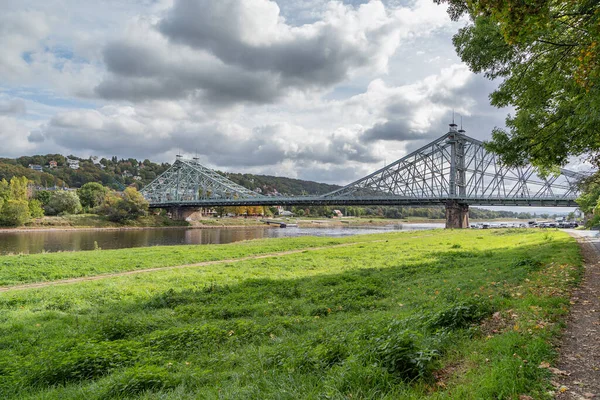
{"x": 29, "y": 242}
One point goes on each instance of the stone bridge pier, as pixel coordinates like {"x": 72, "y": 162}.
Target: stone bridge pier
{"x": 457, "y": 215}
{"x": 183, "y": 213}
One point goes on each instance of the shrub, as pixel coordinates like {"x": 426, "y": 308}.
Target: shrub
{"x": 43, "y": 196}
{"x": 14, "y": 213}
{"x": 92, "y": 195}
{"x": 35, "y": 208}
{"x": 130, "y": 205}
{"x": 63, "y": 202}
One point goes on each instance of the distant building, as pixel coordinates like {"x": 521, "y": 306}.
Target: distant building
{"x": 53, "y": 164}
{"x": 282, "y": 212}
{"x": 137, "y": 178}
{"x": 73, "y": 164}
{"x": 126, "y": 174}
{"x": 35, "y": 167}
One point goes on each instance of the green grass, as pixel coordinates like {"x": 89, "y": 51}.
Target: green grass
{"x": 25, "y": 268}
{"x": 467, "y": 315}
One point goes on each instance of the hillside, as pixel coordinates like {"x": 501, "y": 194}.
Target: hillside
{"x": 118, "y": 174}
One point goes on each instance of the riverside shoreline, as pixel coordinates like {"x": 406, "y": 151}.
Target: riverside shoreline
{"x": 217, "y": 224}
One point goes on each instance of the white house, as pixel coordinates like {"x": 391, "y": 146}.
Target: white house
{"x": 73, "y": 164}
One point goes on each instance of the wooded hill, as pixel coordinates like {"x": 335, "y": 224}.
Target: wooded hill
{"x": 120, "y": 173}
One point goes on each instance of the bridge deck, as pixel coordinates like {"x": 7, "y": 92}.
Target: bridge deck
{"x": 366, "y": 201}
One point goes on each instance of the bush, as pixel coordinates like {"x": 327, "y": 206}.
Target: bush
{"x": 92, "y": 195}
{"x": 14, "y": 213}
{"x": 43, "y": 196}
{"x": 130, "y": 205}
{"x": 35, "y": 208}
{"x": 63, "y": 202}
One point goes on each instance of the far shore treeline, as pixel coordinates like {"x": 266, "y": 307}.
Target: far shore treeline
{"x": 37, "y": 186}
{"x": 20, "y": 202}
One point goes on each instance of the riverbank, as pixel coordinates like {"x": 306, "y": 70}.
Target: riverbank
{"x": 90, "y": 222}
{"x": 96, "y": 222}
{"x": 432, "y": 314}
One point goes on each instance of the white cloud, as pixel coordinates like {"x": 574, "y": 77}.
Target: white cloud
{"x": 315, "y": 89}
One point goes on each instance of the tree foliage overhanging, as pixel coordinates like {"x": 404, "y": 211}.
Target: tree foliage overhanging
{"x": 546, "y": 55}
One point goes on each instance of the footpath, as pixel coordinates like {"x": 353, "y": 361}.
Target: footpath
{"x": 578, "y": 374}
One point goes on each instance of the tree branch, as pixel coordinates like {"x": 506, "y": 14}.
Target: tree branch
{"x": 558, "y": 44}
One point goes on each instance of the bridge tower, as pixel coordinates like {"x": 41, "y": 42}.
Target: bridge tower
{"x": 457, "y": 212}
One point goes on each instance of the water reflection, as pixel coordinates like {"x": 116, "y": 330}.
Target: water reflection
{"x": 76, "y": 240}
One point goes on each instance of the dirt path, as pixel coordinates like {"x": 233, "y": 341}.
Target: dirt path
{"x": 578, "y": 373}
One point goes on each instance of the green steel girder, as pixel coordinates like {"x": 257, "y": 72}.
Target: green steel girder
{"x": 454, "y": 167}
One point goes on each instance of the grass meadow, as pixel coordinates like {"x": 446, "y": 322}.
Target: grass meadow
{"x": 433, "y": 314}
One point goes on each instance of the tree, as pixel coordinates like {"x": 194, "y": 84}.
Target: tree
{"x": 35, "y": 208}
{"x": 134, "y": 203}
{"x": 91, "y": 195}
{"x": 127, "y": 206}
{"x": 4, "y": 191}
{"x": 18, "y": 188}
{"x": 14, "y": 213}
{"x": 43, "y": 196}
{"x": 63, "y": 202}
{"x": 546, "y": 55}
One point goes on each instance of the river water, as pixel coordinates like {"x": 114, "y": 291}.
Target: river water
{"x": 30, "y": 242}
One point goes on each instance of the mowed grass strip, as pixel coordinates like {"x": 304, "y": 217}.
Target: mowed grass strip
{"x": 468, "y": 314}
{"x": 30, "y": 268}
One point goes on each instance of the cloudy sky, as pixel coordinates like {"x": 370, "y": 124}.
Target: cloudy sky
{"x": 313, "y": 89}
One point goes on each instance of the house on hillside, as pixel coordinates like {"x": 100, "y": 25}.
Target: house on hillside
{"x": 35, "y": 167}
{"x": 73, "y": 164}
{"x": 97, "y": 162}
{"x": 53, "y": 164}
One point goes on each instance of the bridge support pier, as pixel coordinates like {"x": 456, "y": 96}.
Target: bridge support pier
{"x": 457, "y": 215}
{"x": 182, "y": 213}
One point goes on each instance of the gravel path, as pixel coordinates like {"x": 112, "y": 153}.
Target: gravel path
{"x": 578, "y": 373}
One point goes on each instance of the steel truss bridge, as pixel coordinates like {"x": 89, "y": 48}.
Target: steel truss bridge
{"x": 454, "y": 170}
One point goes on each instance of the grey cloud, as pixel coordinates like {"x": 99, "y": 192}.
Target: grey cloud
{"x": 399, "y": 130}
{"x": 12, "y": 107}
{"x": 224, "y": 145}
{"x": 211, "y": 59}
{"x": 261, "y": 148}
{"x": 337, "y": 150}
{"x": 321, "y": 59}
{"x": 35, "y": 137}
{"x": 139, "y": 74}
{"x": 433, "y": 100}
{"x": 335, "y": 174}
